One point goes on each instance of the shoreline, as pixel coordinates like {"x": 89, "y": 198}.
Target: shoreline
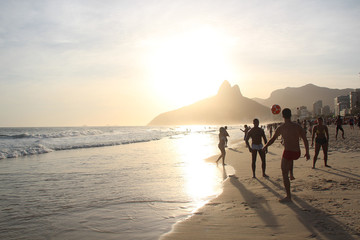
{"x": 323, "y": 198}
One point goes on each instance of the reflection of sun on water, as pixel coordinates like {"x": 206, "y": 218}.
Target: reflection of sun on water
{"x": 190, "y": 66}
{"x": 202, "y": 178}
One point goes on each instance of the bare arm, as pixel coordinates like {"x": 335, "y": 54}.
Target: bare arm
{"x": 274, "y": 137}
{"x": 247, "y": 140}
{"x": 265, "y": 140}
{"x": 264, "y": 137}
{"x": 313, "y": 135}
{"x": 327, "y": 134}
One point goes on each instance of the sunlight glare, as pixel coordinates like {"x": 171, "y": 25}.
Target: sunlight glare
{"x": 202, "y": 178}
{"x": 190, "y": 66}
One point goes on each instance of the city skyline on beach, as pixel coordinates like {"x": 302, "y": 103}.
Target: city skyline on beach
{"x": 74, "y": 63}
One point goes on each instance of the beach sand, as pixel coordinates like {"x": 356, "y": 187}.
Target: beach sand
{"x": 326, "y": 201}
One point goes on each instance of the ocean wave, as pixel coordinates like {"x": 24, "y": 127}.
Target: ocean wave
{"x": 19, "y": 142}
{"x": 61, "y": 134}
{"x": 41, "y": 149}
{"x": 33, "y": 150}
{"x": 16, "y": 136}
{"x": 108, "y": 144}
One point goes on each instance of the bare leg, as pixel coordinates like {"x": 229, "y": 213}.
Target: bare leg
{"x": 253, "y": 162}
{"x": 285, "y": 168}
{"x": 223, "y": 153}
{"x": 325, "y": 151}
{"x": 292, "y": 170}
{"x": 223, "y": 157}
{"x": 263, "y": 162}
{"x": 317, "y": 150}
{"x": 218, "y": 159}
{"x": 337, "y": 130}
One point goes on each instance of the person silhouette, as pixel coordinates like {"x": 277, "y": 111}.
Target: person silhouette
{"x": 246, "y": 130}
{"x": 221, "y": 145}
{"x": 339, "y": 123}
{"x": 256, "y": 134}
{"x": 321, "y": 140}
{"x": 290, "y": 132}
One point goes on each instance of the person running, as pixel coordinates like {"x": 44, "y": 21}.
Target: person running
{"x": 339, "y": 127}
{"x": 256, "y": 134}
{"x": 221, "y": 145}
{"x": 290, "y": 132}
{"x": 321, "y": 140}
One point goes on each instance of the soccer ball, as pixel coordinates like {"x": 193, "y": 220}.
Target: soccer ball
{"x": 275, "y": 109}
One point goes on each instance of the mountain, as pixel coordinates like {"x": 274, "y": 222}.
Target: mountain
{"x": 292, "y": 97}
{"x": 225, "y": 108}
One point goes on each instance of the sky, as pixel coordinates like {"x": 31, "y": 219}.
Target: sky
{"x": 123, "y": 62}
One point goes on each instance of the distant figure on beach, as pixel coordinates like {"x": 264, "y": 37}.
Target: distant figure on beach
{"x": 246, "y": 130}
{"x": 339, "y": 123}
{"x": 351, "y": 123}
{"x": 304, "y": 125}
{"x": 310, "y": 126}
{"x": 256, "y": 134}
{"x": 271, "y": 130}
{"x": 221, "y": 145}
{"x": 226, "y": 136}
{"x": 290, "y": 132}
{"x": 321, "y": 140}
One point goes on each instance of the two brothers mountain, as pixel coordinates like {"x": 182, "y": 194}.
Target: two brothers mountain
{"x": 229, "y": 106}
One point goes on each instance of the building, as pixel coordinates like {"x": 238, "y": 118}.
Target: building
{"x": 341, "y": 103}
{"x": 325, "y": 111}
{"x": 317, "y": 108}
{"x": 355, "y": 101}
{"x": 302, "y": 112}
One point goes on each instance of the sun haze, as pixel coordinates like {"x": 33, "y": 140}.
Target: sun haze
{"x": 189, "y": 66}
{"x": 71, "y": 63}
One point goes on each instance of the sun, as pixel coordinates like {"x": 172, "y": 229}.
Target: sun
{"x": 190, "y": 66}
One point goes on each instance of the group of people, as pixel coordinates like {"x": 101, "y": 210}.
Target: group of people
{"x": 291, "y": 133}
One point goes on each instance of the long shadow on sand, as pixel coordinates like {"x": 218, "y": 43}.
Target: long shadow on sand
{"x": 235, "y": 150}
{"x": 257, "y": 204}
{"x": 341, "y": 174}
{"x": 319, "y": 223}
{"x": 349, "y": 173}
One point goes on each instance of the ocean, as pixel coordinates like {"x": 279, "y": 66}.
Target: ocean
{"x": 105, "y": 182}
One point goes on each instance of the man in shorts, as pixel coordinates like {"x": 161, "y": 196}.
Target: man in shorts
{"x": 256, "y": 134}
{"x": 290, "y": 132}
{"x": 339, "y": 127}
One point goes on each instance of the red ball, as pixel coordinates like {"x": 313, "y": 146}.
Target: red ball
{"x": 275, "y": 109}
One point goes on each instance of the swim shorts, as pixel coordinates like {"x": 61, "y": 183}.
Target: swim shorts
{"x": 339, "y": 127}
{"x": 291, "y": 155}
{"x": 256, "y": 146}
{"x": 321, "y": 141}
